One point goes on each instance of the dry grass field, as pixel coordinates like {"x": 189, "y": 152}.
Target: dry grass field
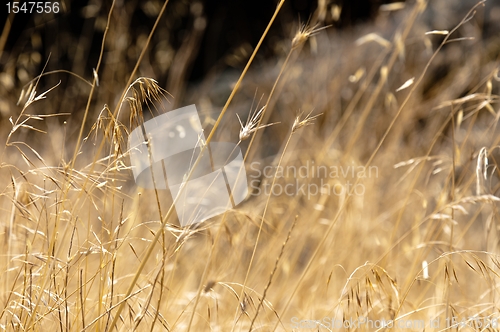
{"x": 372, "y": 173}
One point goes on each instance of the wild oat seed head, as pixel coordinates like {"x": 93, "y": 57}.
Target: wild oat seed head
{"x": 143, "y": 90}
{"x": 304, "y": 33}
{"x": 252, "y": 124}
{"x": 308, "y": 120}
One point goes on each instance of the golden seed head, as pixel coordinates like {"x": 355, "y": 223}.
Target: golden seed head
{"x": 304, "y": 33}
{"x": 308, "y": 120}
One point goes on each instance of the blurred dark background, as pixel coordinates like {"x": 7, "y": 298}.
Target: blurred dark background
{"x": 228, "y": 29}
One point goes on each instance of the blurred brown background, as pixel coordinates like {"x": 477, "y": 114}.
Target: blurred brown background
{"x": 73, "y": 36}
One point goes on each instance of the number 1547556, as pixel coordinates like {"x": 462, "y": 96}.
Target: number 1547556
{"x": 30, "y": 7}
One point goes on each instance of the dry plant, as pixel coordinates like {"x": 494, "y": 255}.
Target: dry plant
{"x": 372, "y": 168}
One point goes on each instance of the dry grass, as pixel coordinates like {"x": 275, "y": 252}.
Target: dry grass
{"x": 395, "y": 121}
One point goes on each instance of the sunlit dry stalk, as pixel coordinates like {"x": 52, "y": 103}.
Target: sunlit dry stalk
{"x": 129, "y": 82}
{"x": 301, "y": 36}
{"x": 49, "y": 267}
{"x": 299, "y": 39}
{"x": 298, "y": 123}
{"x": 262, "y": 299}
{"x": 112, "y": 124}
{"x": 420, "y": 5}
{"x": 467, "y": 18}
{"x": 170, "y": 211}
